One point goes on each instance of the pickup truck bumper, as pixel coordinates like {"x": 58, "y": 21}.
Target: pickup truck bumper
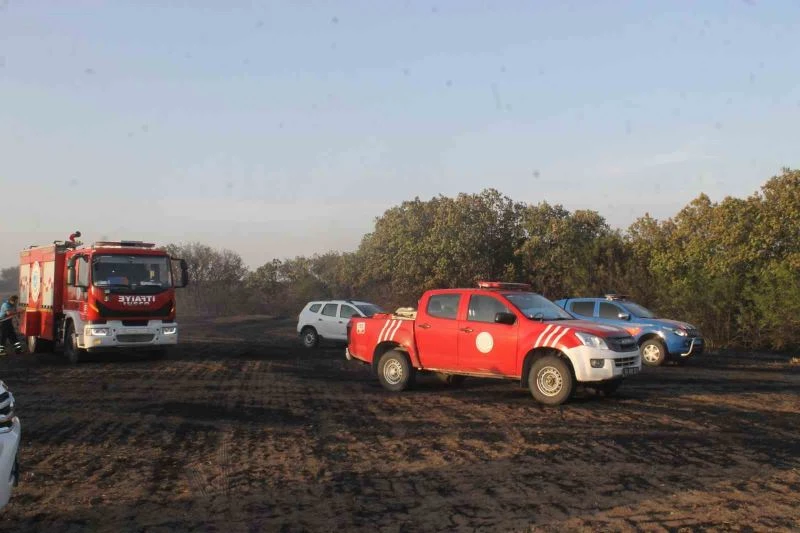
{"x": 688, "y": 348}
{"x": 114, "y": 335}
{"x": 593, "y": 364}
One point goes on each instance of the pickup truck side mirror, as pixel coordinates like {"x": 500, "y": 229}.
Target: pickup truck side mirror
{"x": 624, "y": 316}
{"x": 505, "y": 318}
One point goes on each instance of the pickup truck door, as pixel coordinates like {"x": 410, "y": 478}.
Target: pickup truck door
{"x": 483, "y": 345}
{"x": 436, "y": 331}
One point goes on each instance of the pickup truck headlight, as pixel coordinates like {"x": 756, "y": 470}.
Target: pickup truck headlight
{"x": 98, "y": 332}
{"x": 591, "y": 340}
{"x": 171, "y": 330}
{"x": 677, "y": 331}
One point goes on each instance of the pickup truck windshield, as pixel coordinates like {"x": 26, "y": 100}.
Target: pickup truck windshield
{"x": 536, "y": 306}
{"x": 638, "y": 310}
{"x": 131, "y": 274}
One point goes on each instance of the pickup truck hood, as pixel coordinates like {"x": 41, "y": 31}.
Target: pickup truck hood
{"x": 672, "y": 323}
{"x": 601, "y": 330}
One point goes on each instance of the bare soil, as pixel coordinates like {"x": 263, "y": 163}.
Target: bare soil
{"x": 242, "y": 429}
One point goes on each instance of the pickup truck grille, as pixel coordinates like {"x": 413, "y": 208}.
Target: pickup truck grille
{"x": 625, "y": 361}
{"x": 692, "y": 332}
{"x": 135, "y": 337}
{"x": 621, "y": 344}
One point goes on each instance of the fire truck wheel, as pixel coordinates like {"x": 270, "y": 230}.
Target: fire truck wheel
{"x": 37, "y": 345}
{"x": 451, "y": 379}
{"x": 71, "y": 349}
{"x": 395, "y": 372}
{"x": 550, "y": 380}
{"x": 310, "y": 337}
{"x": 653, "y": 352}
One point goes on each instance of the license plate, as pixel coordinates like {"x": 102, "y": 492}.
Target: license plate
{"x": 630, "y": 371}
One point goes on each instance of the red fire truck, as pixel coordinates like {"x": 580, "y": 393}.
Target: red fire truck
{"x": 499, "y": 330}
{"x": 107, "y": 296}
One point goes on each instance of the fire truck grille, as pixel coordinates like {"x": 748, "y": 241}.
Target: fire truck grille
{"x": 135, "y": 337}
{"x": 107, "y": 312}
{"x": 625, "y": 361}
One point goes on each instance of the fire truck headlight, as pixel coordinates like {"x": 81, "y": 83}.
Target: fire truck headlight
{"x": 171, "y": 330}
{"x": 98, "y": 332}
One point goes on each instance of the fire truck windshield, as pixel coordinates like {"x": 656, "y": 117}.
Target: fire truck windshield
{"x": 132, "y": 274}
{"x": 537, "y": 307}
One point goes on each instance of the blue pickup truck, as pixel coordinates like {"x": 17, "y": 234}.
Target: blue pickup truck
{"x": 659, "y": 339}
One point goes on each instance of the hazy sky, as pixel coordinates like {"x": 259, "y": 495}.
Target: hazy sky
{"x": 278, "y": 129}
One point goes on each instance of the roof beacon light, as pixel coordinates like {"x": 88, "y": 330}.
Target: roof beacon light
{"x": 504, "y": 285}
{"x": 616, "y": 296}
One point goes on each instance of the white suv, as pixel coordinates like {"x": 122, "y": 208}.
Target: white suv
{"x": 9, "y": 444}
{"x": 327, "y": 319}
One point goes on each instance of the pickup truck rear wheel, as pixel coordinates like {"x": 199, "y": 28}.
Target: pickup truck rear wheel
{"x": 550, "y": 380}
{"x": 653, "y": 352}
{"x": 395, "y": 372}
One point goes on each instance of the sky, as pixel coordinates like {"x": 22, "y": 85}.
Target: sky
{"x": 277, "y": 129}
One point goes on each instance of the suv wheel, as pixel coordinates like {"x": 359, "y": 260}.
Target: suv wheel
{"x": 653, "y": 352}
{"x": 310, "y": 337}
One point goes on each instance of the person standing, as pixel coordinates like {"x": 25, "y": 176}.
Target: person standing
{"x": 7, "y": 334}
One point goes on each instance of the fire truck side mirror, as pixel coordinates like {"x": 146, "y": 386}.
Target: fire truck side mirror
{"x": 71, "y": 272}
{"x": 184, "y": 281}
{"x": 184, "y": 273}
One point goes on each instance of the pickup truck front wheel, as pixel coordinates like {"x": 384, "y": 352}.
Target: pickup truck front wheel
{"x": 550, "y": 380}
{"x": 395, "y": 372}
{"x": 653, "y": 352}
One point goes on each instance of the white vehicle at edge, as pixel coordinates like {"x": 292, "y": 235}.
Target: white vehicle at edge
{"x": 327, "y": 319}
{"x": 10, "y": 434}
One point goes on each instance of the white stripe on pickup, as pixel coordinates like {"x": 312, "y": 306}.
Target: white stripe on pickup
{"x": 385, "y": 327}
{"x": 536, "y": 344}
{"x": 552, "y": 334}
{"x": 389, "y": 330}
{"x": 555, "y": 341}
{"x": 399, "y": 323}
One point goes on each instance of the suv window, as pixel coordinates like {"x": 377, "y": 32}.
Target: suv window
{"x": 329, "y": 309}
{"x": 483, "y": 308}
{"x": 443, "y": 305}
{"x": 347, "y": 311}
{"x": 609, "y": 310}
{"x": 582, "y": 308}
{"x": 314, "y": 308}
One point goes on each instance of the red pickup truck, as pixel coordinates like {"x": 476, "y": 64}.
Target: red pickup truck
{"x": 499, "y": 330}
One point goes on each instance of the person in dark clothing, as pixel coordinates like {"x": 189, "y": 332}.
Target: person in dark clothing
{"x": 7, "y": 334}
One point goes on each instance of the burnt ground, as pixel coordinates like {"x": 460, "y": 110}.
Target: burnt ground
{"x": 244, "y": 430}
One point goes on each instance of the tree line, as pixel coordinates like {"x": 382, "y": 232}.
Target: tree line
{"x": 731, "y": 268}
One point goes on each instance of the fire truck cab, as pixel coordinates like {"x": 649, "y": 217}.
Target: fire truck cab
{"x": 107, "y": 296}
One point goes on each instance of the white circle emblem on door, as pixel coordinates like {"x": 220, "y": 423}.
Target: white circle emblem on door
{"x": 484, "y": 342}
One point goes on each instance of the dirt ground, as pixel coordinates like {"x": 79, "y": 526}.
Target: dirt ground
{"x": 244, "y": 430}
